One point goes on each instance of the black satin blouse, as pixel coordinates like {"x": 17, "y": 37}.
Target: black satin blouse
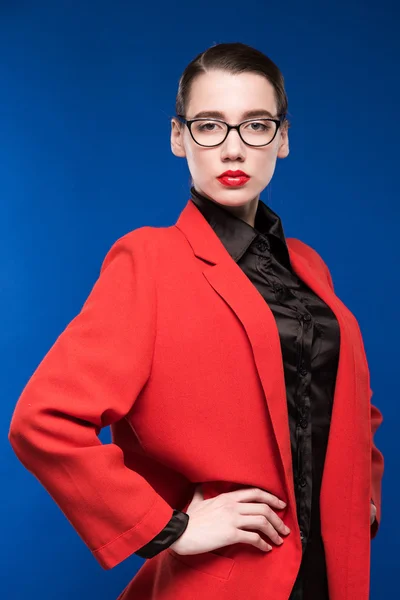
{"x": 310, "y": 340}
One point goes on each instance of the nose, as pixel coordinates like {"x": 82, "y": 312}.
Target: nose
{"x": 233, "y": 145}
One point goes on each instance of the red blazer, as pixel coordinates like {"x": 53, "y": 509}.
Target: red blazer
{"x": 180, "y": 354}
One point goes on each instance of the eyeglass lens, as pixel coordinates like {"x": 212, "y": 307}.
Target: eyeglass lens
{"x": 211, "y": 133}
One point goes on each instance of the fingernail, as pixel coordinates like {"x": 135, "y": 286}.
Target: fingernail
{"x": 282, "y": 503}
{"x": 280, "y": 540}
{"x": 287, "y": 530}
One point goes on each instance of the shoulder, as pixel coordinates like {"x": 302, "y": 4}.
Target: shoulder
{"x": 143, "y": 244}
{"x": 311, "y": 255}
{"x": 307, "y": 251}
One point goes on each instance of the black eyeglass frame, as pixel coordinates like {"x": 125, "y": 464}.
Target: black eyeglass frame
{"x": 188, "y": 123}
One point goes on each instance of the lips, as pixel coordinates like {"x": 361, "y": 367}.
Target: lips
{"x": 233, "y": 174}
{"x": 237, "y": 180}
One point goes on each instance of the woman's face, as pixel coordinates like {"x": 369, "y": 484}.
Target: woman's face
{"x": 232, "y": 95}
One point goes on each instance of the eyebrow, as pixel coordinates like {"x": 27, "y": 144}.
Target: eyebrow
{"x": 216, "y": 114}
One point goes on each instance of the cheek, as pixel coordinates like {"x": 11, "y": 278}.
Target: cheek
{"x": 199, "y": 161}
{"x": 264, "y": 167}
{"x": 265, "y": 162}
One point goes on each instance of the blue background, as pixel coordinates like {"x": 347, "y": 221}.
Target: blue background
{"x": 87, "y": 92}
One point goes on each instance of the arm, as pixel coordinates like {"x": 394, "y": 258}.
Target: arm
{"x": 377, "y": 461}
{"x": 90, "y": 379}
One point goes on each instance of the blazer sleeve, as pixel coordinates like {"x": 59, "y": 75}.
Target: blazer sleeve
{"x": 88, "y": 380}
{"x": 377, "y": 460}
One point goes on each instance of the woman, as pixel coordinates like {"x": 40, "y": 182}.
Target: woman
{"x": 235, "y": 381}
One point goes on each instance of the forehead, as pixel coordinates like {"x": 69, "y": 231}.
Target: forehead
{"x": 233, "y": 95}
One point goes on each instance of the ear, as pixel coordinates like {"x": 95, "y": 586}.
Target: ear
{"x": 177, "y": 145}
{"x": 283, "y": 147}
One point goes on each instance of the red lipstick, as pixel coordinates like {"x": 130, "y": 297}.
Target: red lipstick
{"x": 233, "y": 178}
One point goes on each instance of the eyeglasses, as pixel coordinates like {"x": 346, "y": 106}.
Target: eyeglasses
{"x": 212, "y": 132}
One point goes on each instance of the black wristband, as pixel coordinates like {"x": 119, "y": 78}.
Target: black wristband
{"x": 171, "y": 532}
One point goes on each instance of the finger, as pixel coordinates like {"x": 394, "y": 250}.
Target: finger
{"x": 260, "y": 523}
{"x": 267, "y": 512}
{"x": 277, "y": 522}
{"x": 274, "y": 501}
{"x": 373, "y": 514}
{"x": 253, "y": 538}
{"x": 256, "y": 495}
{"x": 198, "y": 493}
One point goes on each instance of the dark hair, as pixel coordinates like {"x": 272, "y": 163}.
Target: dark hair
{"x": 235, "y": 58}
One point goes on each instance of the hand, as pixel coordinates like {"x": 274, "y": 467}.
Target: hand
{"x": 373, "y": 512}
{"x": 227, "y": 519}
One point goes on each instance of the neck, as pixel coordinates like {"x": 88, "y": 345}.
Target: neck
{"x": 246, "y": 212}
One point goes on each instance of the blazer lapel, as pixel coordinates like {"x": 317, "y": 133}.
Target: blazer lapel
{"x": 229, "y": 281}
{"x": 342, "y": 442}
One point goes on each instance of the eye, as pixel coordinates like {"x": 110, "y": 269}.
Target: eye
{"x": 259, "y": 126}
{"x": 205, "y": 126}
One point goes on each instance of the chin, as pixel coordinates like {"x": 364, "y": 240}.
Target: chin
{"x": 234, "y": 196}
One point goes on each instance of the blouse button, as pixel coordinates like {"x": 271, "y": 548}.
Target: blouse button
{"x": 262, "y": 245}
